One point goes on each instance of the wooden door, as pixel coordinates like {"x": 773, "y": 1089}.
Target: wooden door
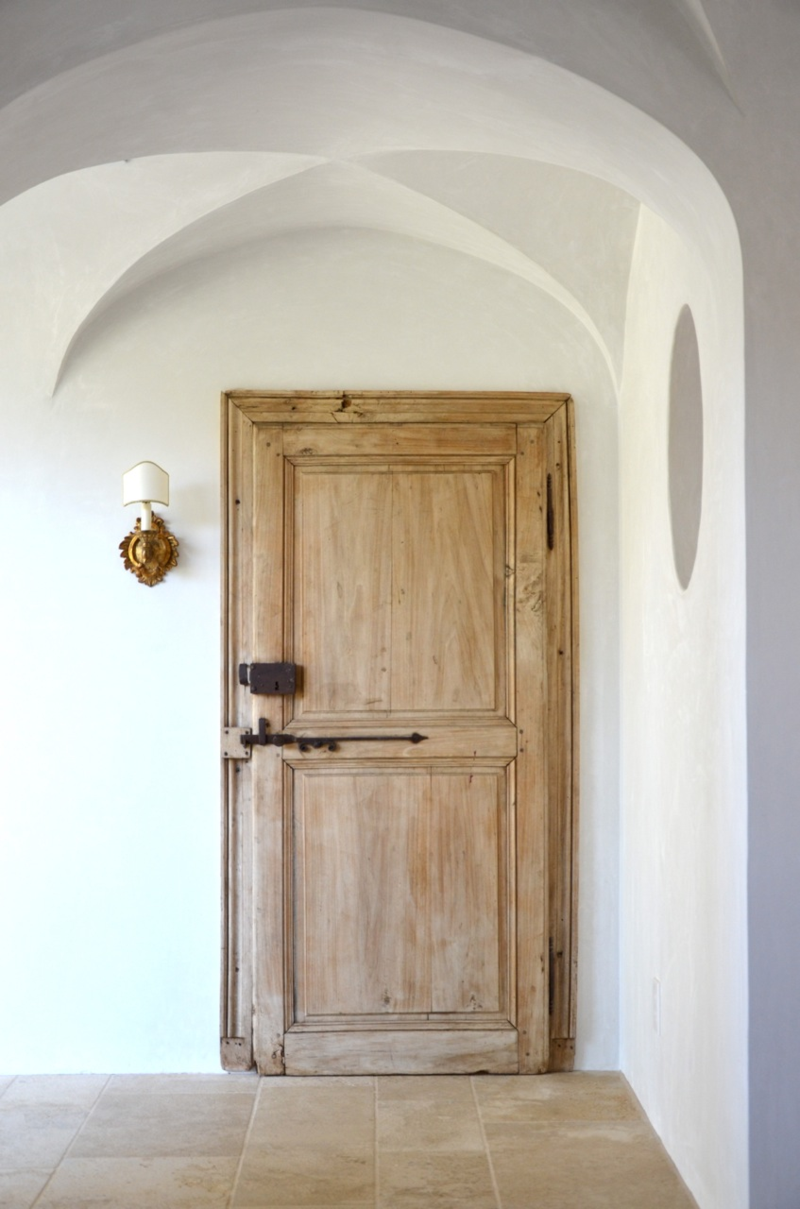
{"x": 399, "y": 896}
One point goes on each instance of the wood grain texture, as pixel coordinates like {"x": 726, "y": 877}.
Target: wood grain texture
{"x": 236, "y": 1006}
{"x": 559, "y": 719}
{"x": 446, "y": 596}
{"x": 403, "y": 1052}
{"x": 399, "y": 441}
{"x": 531, "y": 765}
{"x": 468, "y": 892}
{"x": 266, "y": 644}
{"x": 400, "y": 891}
{"x": 396, "y": 407}
{"x": 572, "y": 748}
{"x": 362, "y": 892}
{"x": 334, "y": 503}
{"x": 342, "y": 589}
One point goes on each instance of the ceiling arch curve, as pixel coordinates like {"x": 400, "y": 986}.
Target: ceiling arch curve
{"x": 340, "y": 83}
{"x": 343, "y": 117}
{"x": 303, "y": 196}
{"x": 681, "y": 29}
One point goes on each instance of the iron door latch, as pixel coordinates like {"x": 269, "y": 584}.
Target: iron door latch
{"x": 238, "y": 743}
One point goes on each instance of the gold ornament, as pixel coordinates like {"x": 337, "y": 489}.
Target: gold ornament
{"x": 149, "y": 554}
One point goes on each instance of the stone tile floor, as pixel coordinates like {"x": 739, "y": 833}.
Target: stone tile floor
{"x": 576, "y": 1141}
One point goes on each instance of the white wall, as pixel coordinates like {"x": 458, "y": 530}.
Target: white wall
{"x": 350, "y": 87}
{"x": 116, "y": 876}
{"x": 683, "y": 755}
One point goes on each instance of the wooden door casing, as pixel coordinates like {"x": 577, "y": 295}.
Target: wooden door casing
{"x": 398, "y": 906}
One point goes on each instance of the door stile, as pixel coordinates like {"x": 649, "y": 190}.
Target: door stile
{"x": 236, "y": 1041}
{"x": 531, "y": 778}
{"x": 266, "y": 638}
{"x": 510, "y": 574}
{"x": 560, "y": 582}
{"x": 573, "y": 751}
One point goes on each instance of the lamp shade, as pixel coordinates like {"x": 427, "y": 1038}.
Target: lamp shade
{"x": 145, "y": 481}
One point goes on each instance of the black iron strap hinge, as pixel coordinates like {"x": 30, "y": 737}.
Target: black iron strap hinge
{"x": 551, "y": 516}
{"x": 551, "y": 975}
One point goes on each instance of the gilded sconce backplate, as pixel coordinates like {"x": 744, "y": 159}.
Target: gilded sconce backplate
{"x": 151, "y": 554}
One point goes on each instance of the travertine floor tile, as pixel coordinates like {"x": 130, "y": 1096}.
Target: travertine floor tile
{"x": 304, "y": 1177}
{"x": 573, "y": 1097}
{"x": 335, "y": 1116}
{"x": 5, "y": 1083}
{"x": 189, "y": 1085}
{"x": 446, "y": 1179}
{"x": 141, "y": 1184}
{"x": 603, "y": 1166}
{"x": 556, "y": 1142}
{"x": 441, "y": 1089}
{"x": 19, "y": 1189}
{"x": 78, "y": 1090}
{"x": 34, "y": 1136}
{"x": 132, "y": 1125}
{"x": 286, "y": 1082}
{"x": 426, "y": 1125}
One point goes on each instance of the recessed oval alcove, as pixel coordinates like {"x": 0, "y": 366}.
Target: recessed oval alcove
{"x": 685, "y": 446}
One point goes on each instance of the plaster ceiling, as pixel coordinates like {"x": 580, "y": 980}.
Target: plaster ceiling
{"x": 39, "y": 40}
{"x": 325, "y": 119}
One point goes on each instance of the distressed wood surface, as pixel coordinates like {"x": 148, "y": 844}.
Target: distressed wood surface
{"x": 531, "y": 765}
{"x": 411, "y": 440}
{"x": 269, "y": 837}
{"x": 396, "y": 407}
{"x": 408, "y": 1052}
{"x": 236, "y": 1007}
{"x": 342, "y": 589}
{"x": 559, "y": 728}
{"x": 400, "y": 897}
{"x": 447, "y": 606}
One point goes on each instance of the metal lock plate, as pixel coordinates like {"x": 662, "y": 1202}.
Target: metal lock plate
{"x": 269, "y": 678}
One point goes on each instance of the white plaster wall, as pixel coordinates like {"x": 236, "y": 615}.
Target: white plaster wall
{"x": 349, "y": 86}
{"x": 112, "y": 849}
{"x": 683, "y": 885}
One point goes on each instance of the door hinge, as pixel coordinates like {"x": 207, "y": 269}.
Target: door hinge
{"x": 551, "y": 516}
{"x": 234, "y": 746}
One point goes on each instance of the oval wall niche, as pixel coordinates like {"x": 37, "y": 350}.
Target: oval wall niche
{"x": 685, "y": 446}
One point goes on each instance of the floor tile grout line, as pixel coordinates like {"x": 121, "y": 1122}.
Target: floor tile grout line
{"x": 487, "y": 1151}
{"x": 72, "y": 1142}
{"x": 245, "y": 1143}
{"x": 8, "y": 1086}
{"x": 376, "y": 1170}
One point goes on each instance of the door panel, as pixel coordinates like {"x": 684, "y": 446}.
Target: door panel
{"x": 362, "y": 889}
{"x": 399, "y": 586}
{"x": 401, "y": 886}
{"x": 471, "y": 905}
{"x": 447, "y": 598}
{"x": 400, "y": 892}
{"x": 342, "y": 588}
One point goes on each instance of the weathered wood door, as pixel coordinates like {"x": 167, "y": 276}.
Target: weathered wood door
{"x": 399, "y": 898}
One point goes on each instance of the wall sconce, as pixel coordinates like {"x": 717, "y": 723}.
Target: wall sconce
{"x": 149, "y": 550}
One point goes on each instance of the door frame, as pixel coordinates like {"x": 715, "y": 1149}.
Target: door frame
{"x": 245, "y": 980}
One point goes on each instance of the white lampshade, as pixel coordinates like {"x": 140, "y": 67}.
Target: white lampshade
{"x": 145, "y": 481}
